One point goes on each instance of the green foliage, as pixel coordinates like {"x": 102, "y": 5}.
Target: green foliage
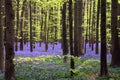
{"x": 75, "y": 71}
{"x": 53, "y": 68}
{"x": 90, "y": 63}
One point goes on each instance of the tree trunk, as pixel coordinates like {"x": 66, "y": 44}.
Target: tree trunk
{"x": 21, "y": 26}
{"x": 90, "y": 23}
{"x": 76, "y": 47}
{"x": 34, "y": 27}
{"x": 9, "y": 43}
{"x": 115, "y": 40}
{"x": 64, "y": 34}
{"x": 97, "y": 28}
{"x": 86, "y": 36}
{"x": 118, "y": 8}
{"x": 55, "y": 33}
{"x": 31, "y": 36}
{"x": 93, "y": 24}
{"x": 80, "y": 28}
{"x": 26, "y": 23}
{"x": 41, "y": 26}
{"x": 17, "y": 27}
{"x": 45, "y": 31}
{"x": 71, "y": 37}
{"x": 103, "y": 69}
{"x": 1, "y": 41}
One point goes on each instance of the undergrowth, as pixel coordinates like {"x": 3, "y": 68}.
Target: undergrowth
{"x": 53, "y": 68}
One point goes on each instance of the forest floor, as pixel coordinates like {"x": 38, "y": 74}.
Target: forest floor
{"x": 42, "y": 65}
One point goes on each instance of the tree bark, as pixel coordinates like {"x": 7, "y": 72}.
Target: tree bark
{"x": 97, "y": 28}
{"x": 45, "y": 31}
{"x": 34, "y": 27}
{"x": 17, "y": 27}
{"x": 80, "y": 28}
{"x": 103, "y": 69}
{"x": 9, "y": 43}
{"x": 21, "y": 26}
{"x": 31, "y": 35}
{"x": 93, "y": 24}
{"x": 90, "y": 23}
{"x": 41, "y": 27}
{"x": 87, "y": 28}
{"x": 76, "y": 47}
{"x": 115, "y": 40}
{"x": 71, "y": 37}
{"x": 1, "y": 41}
{"x": 64, "y": 33}
{"x": 26, "y": 23}
{"x": 78, "y": 39}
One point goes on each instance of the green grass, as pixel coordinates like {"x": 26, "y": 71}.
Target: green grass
{"x": 53, "y": 68}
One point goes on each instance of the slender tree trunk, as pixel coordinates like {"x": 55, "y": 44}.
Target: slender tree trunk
{"x": 17, "y": 27}
{"x": 55, "y": 33}
{"x": 76, "y": 47}
{"x": 1, "y": 41}
{"x": 45, "y": 31}
{"x": 21, "y": 26}
{"x": 34, "y": 28}
{"x": 115, "y": 40}
{"x": 31, "y": 35}
{"x": 97, "y": 28}
{"x": 118, "y": 8}
{"x": 64, "y": 34}
{"x": 93, "y": 24}
{"x": 80, "y": 28}
{"x": 9, "y": 43}
{"x": 41, "y": 27}
{"x": 103, "y": 69}
{"x": 86, "y": 36}
{"x": 26, "y": 24}
{"x": 71, "y": 37}
{"x": 90, "y": 23}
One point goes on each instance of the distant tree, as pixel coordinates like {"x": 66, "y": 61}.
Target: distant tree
{"x": 22, "y": 26}
{"x": 45, "y": 30}
{"x": 1, "y": 40}
{"x": 17, "y": 26}
{"x": 87, "y": 27}
{"x": 41, "y": 26}
{"x": 9, "y": 41}
{"x": 93, "y": 25}
{"x": 90, "y": 17}
{"x": 115, "y": 40}
{"x": 97, "y": 27}
{"x": 103, "y": 69}
{"x": 26, "y": 23}
{"x": 31, "y": 36}
{"x": 34, "y": 27}
{"x": 71, "y": 37}
{"x": 64, "y": 33}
